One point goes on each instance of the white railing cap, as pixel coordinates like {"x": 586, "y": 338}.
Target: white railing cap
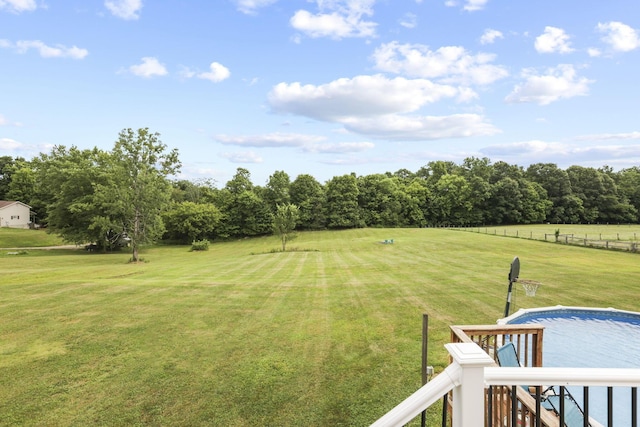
{"x": 468, "y": 354}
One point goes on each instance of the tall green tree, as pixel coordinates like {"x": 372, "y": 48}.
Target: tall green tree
{"x": 240, "y": 182}
{"x": 308, "y": 194}
{"x": 380, "y": 199}
{"x": 139, "y": 189}
{"x": 628, "y": 181}
{"x": 253, "y": 214}
{"x": 198, "y": 191}
{"x": 567, "y": 207}
{"x": 535, "y": 203}
{"x": 245, "y": 213}
{"x": 435, "y": 170}
{"x": 284, "y": 222}
{"x": 342, "y": 208}
{"x": 517, "y": 202}
{"x": 418, "y": 205}
{"x": 599, "y": 194}
{"x": 276, "y": 191}
{"x": 69, "y": 178}
{"x": 452, "y": 204}
{"x": 27, "y": 188}
{"x": 6, "y": 170}
{"x": 189, "y": 221}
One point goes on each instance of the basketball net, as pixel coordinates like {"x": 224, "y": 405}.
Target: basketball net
{"x": 530, "y": 286}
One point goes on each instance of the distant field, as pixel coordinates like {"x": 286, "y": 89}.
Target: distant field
{"x": 243, "y": 335}
{"x": 542, "y": 231}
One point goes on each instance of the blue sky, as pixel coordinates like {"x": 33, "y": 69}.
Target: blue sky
{"x": 326, "y": 87}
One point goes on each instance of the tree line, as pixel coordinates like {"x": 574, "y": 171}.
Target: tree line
{"x": 95, "y": 195}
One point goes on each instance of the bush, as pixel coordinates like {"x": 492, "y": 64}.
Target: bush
{"x": 200, "y": 245}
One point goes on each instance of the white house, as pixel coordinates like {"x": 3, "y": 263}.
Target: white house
{"x": 14, "y": 214}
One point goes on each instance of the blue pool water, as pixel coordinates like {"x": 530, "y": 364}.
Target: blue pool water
{"x": 591, "y": 339}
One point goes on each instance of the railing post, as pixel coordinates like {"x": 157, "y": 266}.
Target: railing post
{"x": 468, "y": 397}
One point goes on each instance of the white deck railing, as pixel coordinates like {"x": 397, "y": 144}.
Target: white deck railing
{"x": 472, "y": 370}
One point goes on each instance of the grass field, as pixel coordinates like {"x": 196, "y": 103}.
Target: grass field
{"x": 627, "y": 232}
{"x": 243, "y": 335}
{"x": 17, "y": 238}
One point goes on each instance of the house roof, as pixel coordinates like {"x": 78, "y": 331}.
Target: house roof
{"x": 7, "y": 203}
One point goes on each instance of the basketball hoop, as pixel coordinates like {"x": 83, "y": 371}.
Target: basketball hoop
{"x": 530, "y": 286}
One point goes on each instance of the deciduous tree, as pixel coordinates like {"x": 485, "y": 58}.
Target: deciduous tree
{"x": 342, "y": 208}
{"x": 139, "y": 189}
{"x": 189, "y": 221}
{"x": 308, "y": 194}
{"x": 284, "y": 222}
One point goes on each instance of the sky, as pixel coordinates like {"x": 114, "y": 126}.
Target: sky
{"x": 326, "y": 87}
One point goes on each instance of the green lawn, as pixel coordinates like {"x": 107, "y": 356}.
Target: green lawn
{"x": 327, "y": 334}
{"x": 18, "y": 238}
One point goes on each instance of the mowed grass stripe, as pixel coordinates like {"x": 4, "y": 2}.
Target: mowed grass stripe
{"x": 329, "y": 334}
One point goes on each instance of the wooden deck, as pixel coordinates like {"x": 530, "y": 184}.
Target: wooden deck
{"x": 500, "y": 399}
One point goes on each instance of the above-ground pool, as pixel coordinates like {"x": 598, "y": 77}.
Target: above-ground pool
{"x": 581, "y": 337}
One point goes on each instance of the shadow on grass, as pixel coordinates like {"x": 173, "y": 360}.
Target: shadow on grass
{"x": 277, "y": 251}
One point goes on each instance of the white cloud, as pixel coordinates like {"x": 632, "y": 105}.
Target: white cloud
{"x": 45, "y": 51}
{"x": 217, "y": 73}
{"x": 186, "y": 72}
{"x": 339, "y": 147}
{"x": 10, "y": 144}
{"x": 594, "y": 52}
{"x": 469, "y": 5}
{"x": 490, "y": 36}
{"x": 336, "y": 19}
{"x": 307, "y": 143}
{"x": 251, "y": 6}
{"x": 377, "y": 106}
{"x": 125, "y": 9}
{"x": 417, "y": 128}
{"x": 276, "y": 139}
{"x": 564, "y": 154}
{"x": 451, "y": 64}
{"x": 609, "y": 136}
{"x": 619, "y": 36}
{"x": 6, "y": 122}
{"x": 150, "y": 67}
{"x": 530, "y": 148}
{"x": 360, "y": 96}
{"x": 553, "y": 40}
{"x": 242, "y": 157}
{"x": 474, "y": 5}
{"x": 18, "y": 6}
{"x": 557, "y": 83}
{"x": 409, "y": 20}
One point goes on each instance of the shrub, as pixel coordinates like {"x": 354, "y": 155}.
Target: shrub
{"x": 200, "y": 245}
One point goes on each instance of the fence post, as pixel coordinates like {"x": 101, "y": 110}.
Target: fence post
{"x": 468, "y": 395}
{"x": 425, "y": 361}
